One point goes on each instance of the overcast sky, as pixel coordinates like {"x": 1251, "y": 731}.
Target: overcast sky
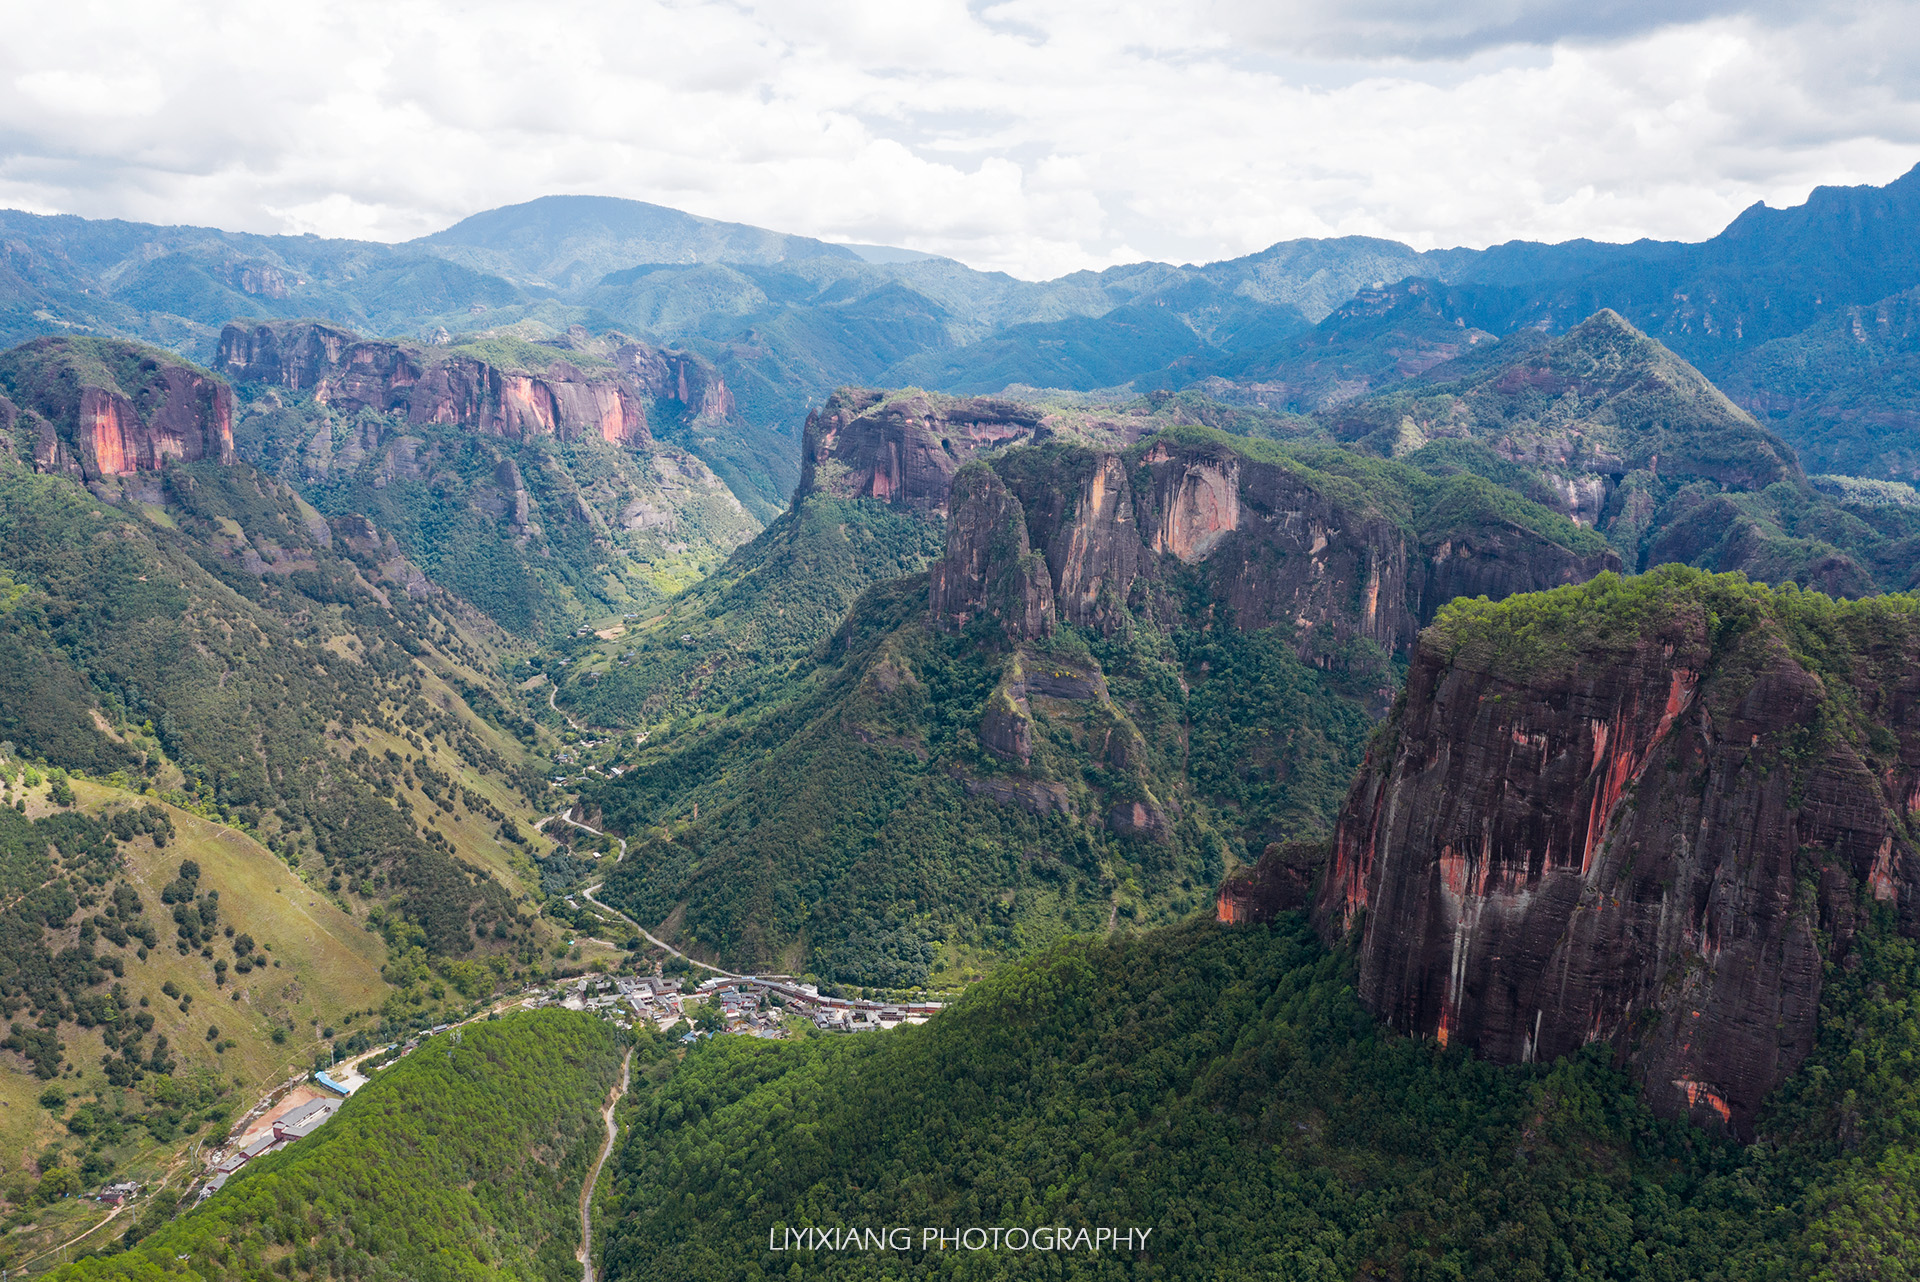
{"x": 1035, "y": 136}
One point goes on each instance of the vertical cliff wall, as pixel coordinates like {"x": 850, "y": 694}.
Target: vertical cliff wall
{"x": 1640, "y": 812}
{"x": 546, "y": 394}
{"x": 904, "y": 449}
{"x": 106, "y": 408}
{"x": 1269, "y": 540}
{"x": 989, "y": 570}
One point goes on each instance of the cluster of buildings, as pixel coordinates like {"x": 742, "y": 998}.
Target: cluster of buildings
{"x": 295, "y": 1124}
{"x": 115, "y": 1194}
{"x": 751, "y": 1005}
{"x": 749, "y": 993}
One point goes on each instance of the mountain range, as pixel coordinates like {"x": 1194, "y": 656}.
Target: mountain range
{"x": 1401, "y": 761}
{"x": 1794, "y": 310}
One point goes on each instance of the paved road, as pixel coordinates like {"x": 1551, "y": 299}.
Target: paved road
{"x": 585, "y": 1253}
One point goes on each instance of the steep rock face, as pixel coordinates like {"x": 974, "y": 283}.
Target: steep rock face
{"x": 1278, "y": 548}
{"x": 1273, "y": 541}
{"x": 677, "y": 376}
{"x": 904, "y": 450}
{"x": 1499, "y": 559}
{"x": 1620, "y": 814}
{"x": 989, "y": 571}
{"x": 1097, "y": 555}
{"x": 561, "y": 398}
{"x": 105, "y": 408}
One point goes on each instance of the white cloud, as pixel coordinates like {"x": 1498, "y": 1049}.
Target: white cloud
{"x": 1035, "y": 136}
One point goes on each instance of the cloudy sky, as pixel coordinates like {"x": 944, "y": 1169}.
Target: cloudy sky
{"x": 1033, "y": 136}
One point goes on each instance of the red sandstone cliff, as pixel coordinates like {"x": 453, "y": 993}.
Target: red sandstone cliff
{"x": 554, "y": 396}
{"x": 1274, "y": 543}
{"x": 904, "y": 449}
{"x": 1630, "y": 813}
{"x": 104, "y": 408}
{"x": 989, "y": 571}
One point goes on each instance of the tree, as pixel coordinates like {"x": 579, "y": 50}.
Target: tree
{"x": 58, "y": 1183}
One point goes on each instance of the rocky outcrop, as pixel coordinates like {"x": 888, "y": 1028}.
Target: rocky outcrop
{"x": 1098, "y": 554}
{"x": 904, "y": 449}
{"x": 1496, "y": 559}
{"x": 1278, "y": 545}
{"x": 1272, "y": 541}
{"x": 1031, "y": 795}
{"x": 989, "y": 571}
{"x": 677, "y": 376}
{"x": 102, "y": 408}
{"x": 551, "y": 395}
{"x": 1635, "y": 815}
{"x": 1281, "y": 881}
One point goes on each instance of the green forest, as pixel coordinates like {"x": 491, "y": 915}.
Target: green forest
{"x": 463, "y": 1160}
{"x": 1223, "y": 1087}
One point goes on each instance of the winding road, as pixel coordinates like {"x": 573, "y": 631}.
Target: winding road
{"x": 646, "y": 934}
{"x": 650, "y": 937}
{"x": 585, "y": 1253}
{"x": 553, "y": 688}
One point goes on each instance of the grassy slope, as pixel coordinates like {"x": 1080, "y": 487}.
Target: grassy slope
{"x": 329, "y": 965}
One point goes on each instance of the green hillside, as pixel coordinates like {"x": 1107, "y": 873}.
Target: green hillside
{"x": 439, "y": 491}
{"x": 735, "y": 639}
{"x": 1223, "y": 1088}
{"x": 852, "y": 806}
{"x": 462, "y": 1160}
{"x": 149, "y": 1008}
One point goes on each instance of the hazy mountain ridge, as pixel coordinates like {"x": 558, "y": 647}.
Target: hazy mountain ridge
{"x": 788, "y": 319}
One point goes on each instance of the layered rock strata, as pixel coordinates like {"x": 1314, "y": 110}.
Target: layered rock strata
{"x": 906, "y": 449}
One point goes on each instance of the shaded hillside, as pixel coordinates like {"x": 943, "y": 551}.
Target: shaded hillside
{"x": 1128, "y": 667}
{"x": 1845, "y": 391}
{"x": 1377, "y": 339}
{"x": 464, "y": 1159}
{"x": 1616, "y": 431}
{"x": 1225, "y": 1089}
{"x": 875, "y": 471}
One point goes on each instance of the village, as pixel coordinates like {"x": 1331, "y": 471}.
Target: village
{"x": 763, "y": 1006}
{"x": 753, "y": 1005}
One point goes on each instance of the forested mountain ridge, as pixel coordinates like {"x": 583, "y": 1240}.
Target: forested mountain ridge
{"x": 1130, "y": 666}
{"x": 1225, "y": 1088}
{"x": 200, "y": 626}
{"x": 1603, "y": 425}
